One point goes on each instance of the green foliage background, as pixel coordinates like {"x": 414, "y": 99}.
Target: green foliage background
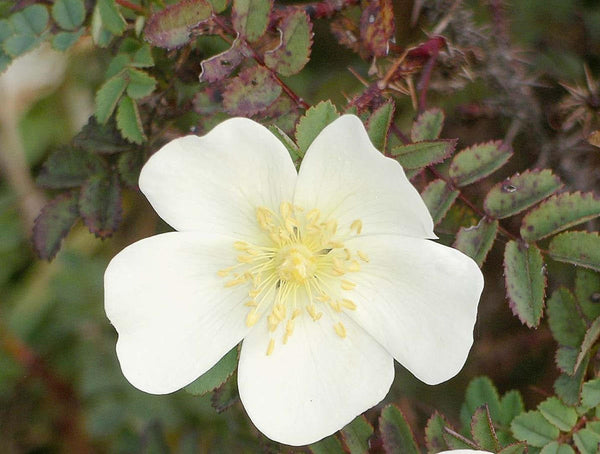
{"x": 61, "y": 389}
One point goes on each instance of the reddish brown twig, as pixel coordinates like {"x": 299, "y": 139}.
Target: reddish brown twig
{"x": 131, "y": 6}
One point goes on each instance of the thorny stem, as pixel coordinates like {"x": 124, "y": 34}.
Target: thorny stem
{"x": 60, "y": 391}
{"x": 131, "y": 6}
{"x": 288, "y": 91}
{"x": 425, "y": 78}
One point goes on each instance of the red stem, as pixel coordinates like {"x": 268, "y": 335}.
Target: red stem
{"x": 425, "y": 78}
{"x": 131, "y": 6}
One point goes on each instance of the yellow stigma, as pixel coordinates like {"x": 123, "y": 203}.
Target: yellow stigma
{"x": 298, "y": 268}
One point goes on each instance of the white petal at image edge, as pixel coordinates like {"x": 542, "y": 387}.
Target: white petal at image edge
{"x": 419, "y": 300}
{"x": 214, "y": 183}
{"x": 316, "y": 383}
{"x": 174, "y": 317}
{"x": 347, "y": 178}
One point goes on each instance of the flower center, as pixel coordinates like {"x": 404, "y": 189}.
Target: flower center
{"x": 296, "y": 263}
{"x": 299, "y": 267}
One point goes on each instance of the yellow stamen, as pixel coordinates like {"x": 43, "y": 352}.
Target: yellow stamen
{"x": 336, "y": 306}
{"x": 354, "y": 266}
{"x": 251, "y": 318}
{"x": 340, "y": 329}
{"x": 356, "y": 225}
{"x": 271, "y": 347}
{"x": 241, "y": 245}
{"x": 250, "y": 304}
{"x": 347, "y": 285}
{"x": 237, "y": 281}
{"x": 364, "y": 257}
{"x": 348, "y": 304}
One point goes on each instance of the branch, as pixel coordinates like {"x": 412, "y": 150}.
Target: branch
{"x": 131, "y": 6}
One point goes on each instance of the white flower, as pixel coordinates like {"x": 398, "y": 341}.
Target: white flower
{"x": 326, "y": 275}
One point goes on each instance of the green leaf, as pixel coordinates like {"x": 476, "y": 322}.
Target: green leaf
{"x": 68, "y": 168}
{"x": 480, "y": 391}
{"x": 329, "y": 445}
{"x": 129, "y": 166}
{"x": 100, "y": 204}
{"x": 379, "y": 123}
{"x": 142, "y": 58}
{"x": 533, "y": 428}
{"x": 439, "y": 198}
{"x": 225, "y": 396}
{"x": 587, "y": 441}
{"x": 476, "y": 162}
{"x": 108, "y": 96}
{"x": 578, "y": 248}
{"x": 558, "y": 414}
{"x": 219, "y": 6}
{"x": 511, "y": 405}
{"x": 520, "y": 192}
{"x": 20, "y": 44}
{"x": 476, "y": 241}
{"x": 422, "y": 154}
{"x": 65, "y": 40}
{"x": 252, "y": 91}
{"x": 563, "y": 317}
{"x": 53, "y": 223}
{"x": 566, "y": 358}
{"x": 293, "y": 51}
{"x": 434, "y": 433}
{"x": 216, "y": 375}
{"x": 31, "y": 20}
{"x": 97, "y": 138}
{"x": 396, "y": 433}
{"x": 171, "y": 27}
{"x": 590, "y": 338}
{"x": 557, "y": 448}
{"x": 559, "y": 213}
{"x": 590, "y": 394}
{"x": 69, "y": 14}
{"x": 111, "y": 17}
{"x": 140, "y": 84}
{"x": 5, "y": 60}
{"x": 312, "y": 123}
{"x": 356, "y": 435}
{"x": 100, "y": 35}
{"x": 6, "y": 29}
{"x": 525, "y": 281}
{"x": 129, "y": 121}
{"x": 568, "y": 387}
{"x": 587, "y": 290}
{"x": 291, "y": 146}
{"x": 251, "y": 17}
{"x": 454, "y": 440}
{"x": 483, "y": 431}
{"x": 428, "y": 125}
{"x": 377, "y": 27}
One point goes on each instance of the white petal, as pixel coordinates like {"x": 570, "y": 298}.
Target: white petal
{"x": 419, "y": 299}
{"x": 214, "y": 183}
{"x": 174, "y": 316}
{"x": 347, "y": 178}
{"x": 316, "y": 383}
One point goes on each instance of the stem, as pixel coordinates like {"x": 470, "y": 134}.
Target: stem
{"x": 73, "y": 435}
{"x": 131, "y": 6}
{"x": 288, "y": 91}
{"x": 425, "y": 78}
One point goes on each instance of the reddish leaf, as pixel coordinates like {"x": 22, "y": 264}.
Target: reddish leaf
{"x": 252, "y": 91}
{"x": 53, "y": 223}
{"x": 171, "y": 27}
{"x": 100, "y": 204}
{"x": 293, "y": 51}
{"x": 377, "y": 26}
{"x": 68, "y": 168}
{"x": 221, "y": 65}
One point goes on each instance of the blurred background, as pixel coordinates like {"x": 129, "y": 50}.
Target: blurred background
{"x": 61, "y": 389}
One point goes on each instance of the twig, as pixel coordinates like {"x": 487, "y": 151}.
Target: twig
{"x": 131, "y": 6}
{"x": 288, "y": 91}
{"x": 425, "y": 78}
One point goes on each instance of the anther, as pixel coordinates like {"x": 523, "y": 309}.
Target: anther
{"x": 347, "y": 285}
{"x": 348, "y": 304}
{"x": 271, "y": 347}
{"x": 356, "y": 225}
{"x": 251, "y": 318}
{"x": 336, "y": 306}
{"x": 237, "y": 281}
{"x": 354, "y": 266}
{"x": 340, "y": 329}
{"x": 241, "y": 245}
{"x": 251, "y": 304}
{"x": 364, "y": 257}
